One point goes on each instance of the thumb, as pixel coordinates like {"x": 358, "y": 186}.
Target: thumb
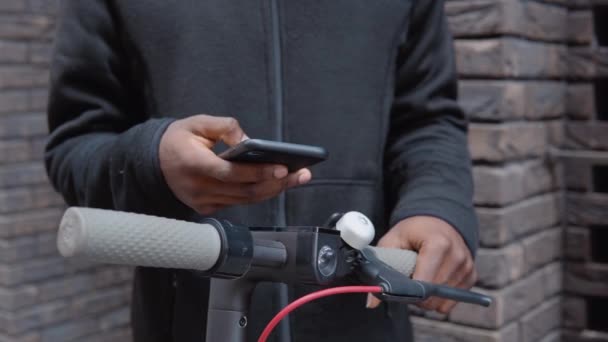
{"x": 372, "y": 301}
{"x": 394, "y": 238}
{"x": 217, "y": 128}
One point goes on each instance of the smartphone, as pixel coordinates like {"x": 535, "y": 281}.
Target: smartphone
{"x": 294, "y": 156}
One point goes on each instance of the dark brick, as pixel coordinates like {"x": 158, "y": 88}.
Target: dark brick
{"x": 581, "y": 64}
{"x": 505, "y": 185}
{"x": 577, "y": 174}
{"x": 542, "y": 21}
{"x": 23, "y": 125}
{"x": 555, "y": 132}
{"x": 540, "y": 321}
{"x": 494, "y": 143}
{"x": 553, "y": 336}
{"x": 26, "y": 76}
{"x": 40, "y": 53}
{"x": 490, "y": 17}
{"x": 32, "y": 270}
{"x": 501, "y": 225}
{"x": 100, "y": 301}
{"x": 12, "y": 52}
{"x": 30, "y": 222}
{"x": 21, "y": 150}
{"x": 499, "y": 267}
{"x": 584, "y": 336}
{"x": 19, "y": 199}
{"x": 112, "y": 275}
{"x": 476, "y": 17}
{"x": 589, "y": 279}
{"x": 552, "y": 278}
{"x": 114, "y": 319}
{"x": 587, "y": 209}
{"x": 577, "y": 246}
{"x": 45, "y": 291}
{"x": 580, "y": 27}
{"x": 432, "y": 331}
{"x": 117, "y": 335}
{"x": 580, "y": 101}
{"x": 509, "y": 57}
{"x": 509, "y": 303}
{"x": 542, "y": 248}
{"x": 13, "y": 101}
{"x": 65, "y": 286}
{"x": 586, "y": 135}
{"x": 545, "y": 100}
{"x": 27, "y": 247}
{"x": 30, "y": 318}
{"x": 69, "y": 331}
{"x": 43, "y": 6}
{"x": 492, "y": 100}
{"x": 509, "y": 100}
{"x": 12, "y": 6}
{"x": 25, "y": 26}
{"x": 18, "y": 297}
{"x": 38, "y": 99}
{"x": 600, "y": 57}
{"x": 14, "y": 175}
{"x": 574, "y": 312}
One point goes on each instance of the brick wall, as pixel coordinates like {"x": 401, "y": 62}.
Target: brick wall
{"x": 42, "y": 296}
{"x": 531, "y": 80}
{"x": 531, "y": 72}
{"x": 585, "y": 162}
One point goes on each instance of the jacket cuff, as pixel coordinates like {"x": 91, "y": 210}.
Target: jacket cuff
{"x": 152, "y": 184}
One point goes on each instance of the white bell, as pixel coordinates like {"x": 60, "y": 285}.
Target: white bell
{"x": 356, "y": 229}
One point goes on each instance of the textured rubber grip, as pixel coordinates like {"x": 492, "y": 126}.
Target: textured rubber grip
{"x": 139, "y": 240}
{"x": 404, "y": 261}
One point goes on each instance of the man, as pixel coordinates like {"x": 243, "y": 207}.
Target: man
{"x": 372, "y": 81}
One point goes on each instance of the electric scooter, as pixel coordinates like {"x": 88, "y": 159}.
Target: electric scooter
{"x": 238, "y": 257}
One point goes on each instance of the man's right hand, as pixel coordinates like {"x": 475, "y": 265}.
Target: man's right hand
{"x": 207, "y": 183}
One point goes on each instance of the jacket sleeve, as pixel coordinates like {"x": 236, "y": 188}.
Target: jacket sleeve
{"x": 103, "y": 150}
{"x": 428, "y": 167}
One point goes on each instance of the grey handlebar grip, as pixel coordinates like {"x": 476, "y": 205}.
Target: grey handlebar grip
{"x": 140, "y": 240}
{"x": 404, "y": 261}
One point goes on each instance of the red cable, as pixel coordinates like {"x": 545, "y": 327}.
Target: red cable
{"x": 310, "y": 297}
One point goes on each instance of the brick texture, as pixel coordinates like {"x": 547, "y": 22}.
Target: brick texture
{"x": 528, "y": 71}
{"x": 42, "y": 296}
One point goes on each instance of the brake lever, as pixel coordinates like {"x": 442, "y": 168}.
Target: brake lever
{"x": 397, "y": 287}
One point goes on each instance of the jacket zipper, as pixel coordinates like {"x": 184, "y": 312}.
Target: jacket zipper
{"x": 284, "y": 333}
{"x": 278, "y": 93}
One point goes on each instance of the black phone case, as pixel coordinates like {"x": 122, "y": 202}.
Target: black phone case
{"x": 294, "y": 156}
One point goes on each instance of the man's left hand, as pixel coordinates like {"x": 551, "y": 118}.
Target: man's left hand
{"x": 443, "y": 256}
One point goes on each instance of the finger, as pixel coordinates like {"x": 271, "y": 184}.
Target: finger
{"x": 262, "y": 191}
{"x": 446, "y": 306}
{"x": 300, "y": 177}
{"x": 231, "y": 172}
{"x": 455, "y": 271}
{"x": 431, "y": 258}
{"x": 216, "y": 128}
{"x": 372, "y": 301}
{"x": 465, "y": 283}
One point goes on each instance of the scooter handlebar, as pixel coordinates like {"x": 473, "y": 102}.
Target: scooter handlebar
{"x": 116, "y": 237}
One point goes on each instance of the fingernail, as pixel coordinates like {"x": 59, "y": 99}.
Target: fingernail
{"x": 368, "y": 303}
{"x": 304, "y": 178}
{"x": 244, "y": 137}
{"x": 280, "y": 172}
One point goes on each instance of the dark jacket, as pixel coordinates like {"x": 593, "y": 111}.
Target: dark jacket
{"x": 372, "y": 81}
